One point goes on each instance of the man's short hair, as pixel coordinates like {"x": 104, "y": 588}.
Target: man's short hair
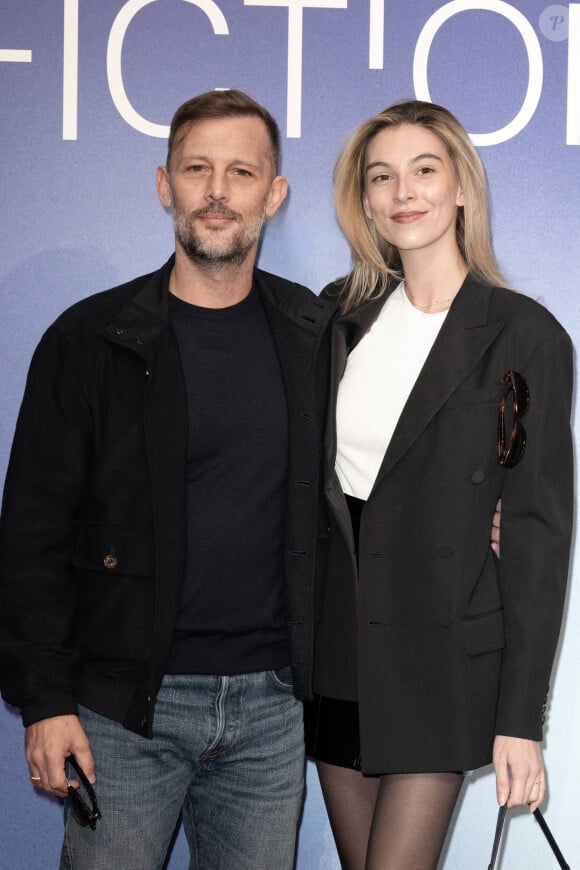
{"x": 222, "y": 104}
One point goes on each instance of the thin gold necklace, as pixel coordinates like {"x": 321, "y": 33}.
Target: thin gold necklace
{"x": 431, "y": 304}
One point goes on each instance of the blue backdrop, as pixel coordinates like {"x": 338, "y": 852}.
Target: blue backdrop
{"x": 87, "y": 90}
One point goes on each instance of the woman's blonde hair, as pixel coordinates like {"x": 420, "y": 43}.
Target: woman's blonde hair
{"x": 375, "y": 261}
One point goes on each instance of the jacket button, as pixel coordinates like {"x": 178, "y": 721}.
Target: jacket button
{"x": 119, "y": 331}
{"x": 446, "y": 552}
{"x": 478, "y": 476}
{"x": 110, "y": 561}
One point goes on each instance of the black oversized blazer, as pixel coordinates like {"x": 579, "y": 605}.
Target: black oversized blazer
{"x": 92, "y": 536}
{"x": 450, "y": 645}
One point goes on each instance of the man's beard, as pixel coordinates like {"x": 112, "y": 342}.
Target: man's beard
{"x": 212, "y": 249}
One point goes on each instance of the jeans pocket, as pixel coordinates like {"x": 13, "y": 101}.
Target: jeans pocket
{"x": 282, "y": 679}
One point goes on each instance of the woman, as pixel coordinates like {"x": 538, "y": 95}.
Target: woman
{"x": 439, "y": 652}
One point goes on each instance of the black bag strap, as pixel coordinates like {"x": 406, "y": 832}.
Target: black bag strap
{"x": 498, "y": 831}
{"x": 550, "y": 838}
{"x": 545, "y": 829}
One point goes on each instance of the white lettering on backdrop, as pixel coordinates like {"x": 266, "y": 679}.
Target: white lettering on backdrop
{"x": 295, "y": 61}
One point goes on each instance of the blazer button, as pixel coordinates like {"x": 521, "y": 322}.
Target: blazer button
{"x": 478, "y": 476}
{"x": 446, "y": 552}
{"x": 110, "y": 561}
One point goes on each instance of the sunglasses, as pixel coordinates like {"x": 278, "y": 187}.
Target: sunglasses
{"x": 83, "y": 813}
{"x": 510, "y": 453}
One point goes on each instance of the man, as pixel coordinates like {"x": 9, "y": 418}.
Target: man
{"x": 159, "y": 527}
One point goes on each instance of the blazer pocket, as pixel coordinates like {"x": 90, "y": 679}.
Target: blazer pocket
{"x": 115, "y": 550}
{"x": 474, "y": 397}
{"x": 484, "y": 633}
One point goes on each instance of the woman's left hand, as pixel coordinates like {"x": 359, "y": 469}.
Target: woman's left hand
{"x": 519, "y": 772}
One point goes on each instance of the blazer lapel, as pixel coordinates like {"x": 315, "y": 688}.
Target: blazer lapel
{"x": 461, "y": 343}
{"x": 347, "y": 331}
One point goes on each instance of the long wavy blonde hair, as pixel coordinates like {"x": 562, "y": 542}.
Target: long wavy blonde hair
{"x": 375, "y": 261}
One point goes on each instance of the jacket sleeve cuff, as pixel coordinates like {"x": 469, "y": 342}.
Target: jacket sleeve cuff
{"x": 48, "y": 708}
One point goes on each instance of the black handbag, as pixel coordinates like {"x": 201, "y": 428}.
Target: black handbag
{"x": 543, "y": 825}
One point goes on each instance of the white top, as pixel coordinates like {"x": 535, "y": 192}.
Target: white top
{"x": 379, "y": 376}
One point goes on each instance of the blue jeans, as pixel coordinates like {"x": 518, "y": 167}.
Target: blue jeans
{"x": 227, "y": 755}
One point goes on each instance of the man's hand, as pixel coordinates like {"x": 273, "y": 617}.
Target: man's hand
{"x": 48, "y": 743}
{"x": 495, "y": 528}
{"x": 522, "y": 759}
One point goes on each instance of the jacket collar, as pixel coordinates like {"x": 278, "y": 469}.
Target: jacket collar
{"x": 347, "y": 331}
{"x": 151, "y": 303}
{"x": 145, "y": 318}
{"x": 139, "y": 324}
{"x": 153, "y": 298}
{"x": 294, "y": 302}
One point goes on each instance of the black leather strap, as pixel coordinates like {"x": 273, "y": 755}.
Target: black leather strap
{"x": 550, "y": 838}
{"x": 545, "y": 829}
{"x": 497, "y": 839}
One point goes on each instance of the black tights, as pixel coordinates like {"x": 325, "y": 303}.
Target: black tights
{"x": 390, "y": 822}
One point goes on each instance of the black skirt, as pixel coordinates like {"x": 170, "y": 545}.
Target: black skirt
{"x": 331, "y": 732}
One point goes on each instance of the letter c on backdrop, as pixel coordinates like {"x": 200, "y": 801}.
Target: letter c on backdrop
{"x": 115, "y": 53}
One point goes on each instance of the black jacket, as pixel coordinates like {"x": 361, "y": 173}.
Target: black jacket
{"x": 92, "y": 537}
{"x": 450, "y": 645}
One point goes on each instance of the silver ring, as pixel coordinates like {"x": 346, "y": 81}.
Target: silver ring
{"x": 35, "y": 778}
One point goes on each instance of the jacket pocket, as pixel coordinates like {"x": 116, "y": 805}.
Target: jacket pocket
{"x": 115, "y": 550}
{"x": 474, "y": 397}
{"x": 484, "y": 633}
